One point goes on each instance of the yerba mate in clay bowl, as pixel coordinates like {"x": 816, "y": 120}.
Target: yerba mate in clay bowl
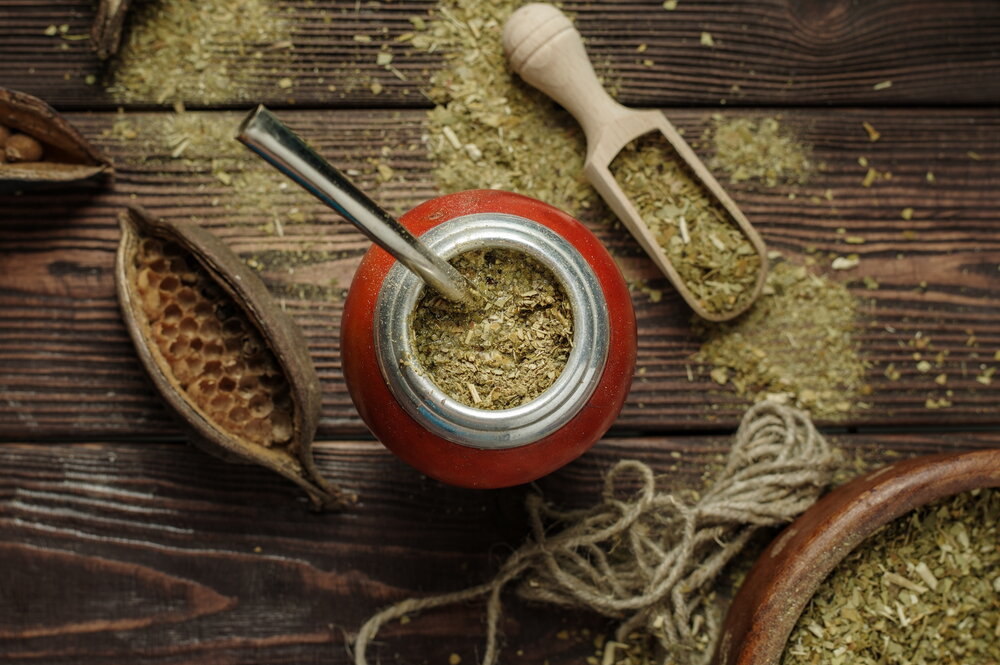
{"x": 791, "y": 570}
{"x": 512, "y": 386}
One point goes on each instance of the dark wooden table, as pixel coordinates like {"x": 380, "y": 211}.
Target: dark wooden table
{"x": 120, "y": 543}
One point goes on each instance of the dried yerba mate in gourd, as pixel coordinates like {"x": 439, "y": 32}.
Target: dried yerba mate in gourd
{"x": 220, "y": 351}
{"x": 37, "y": 145}
{"x": 507, "y": 351}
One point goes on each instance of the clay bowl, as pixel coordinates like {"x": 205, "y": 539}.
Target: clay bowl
{"x": 789, "y": 571}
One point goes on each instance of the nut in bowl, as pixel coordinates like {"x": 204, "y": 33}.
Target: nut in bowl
{"x": 789, "y": 572}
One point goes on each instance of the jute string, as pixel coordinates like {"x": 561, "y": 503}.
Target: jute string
{"x": 646, "y": 557}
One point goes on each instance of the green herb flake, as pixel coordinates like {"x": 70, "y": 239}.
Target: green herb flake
{"x": 873, "y": 134}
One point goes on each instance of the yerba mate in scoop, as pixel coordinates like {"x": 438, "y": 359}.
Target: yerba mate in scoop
{"x": 716, "y": 261}
{"x": 547, "y": 51}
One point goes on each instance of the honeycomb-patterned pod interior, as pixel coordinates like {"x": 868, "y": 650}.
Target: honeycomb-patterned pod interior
{"x": 186, "y": 312}
{"x": 219, "y": 350}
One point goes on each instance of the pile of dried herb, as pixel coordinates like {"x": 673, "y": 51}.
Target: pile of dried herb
{"x": 201, "y": 52}
{"x": 924, "y": 590}
{"x": 203, "y": 143}
{"x": 714, "y": 258}
{"x": 759, "y": 150}
{"x": 506, "y": 352}
{"x": 796, "y": 344}
{"x": 489, "y": 128}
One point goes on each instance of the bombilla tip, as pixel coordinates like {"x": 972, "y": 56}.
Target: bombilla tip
{"x": 250, "y": 121}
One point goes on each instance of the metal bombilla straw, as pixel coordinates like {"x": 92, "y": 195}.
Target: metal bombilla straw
{"x": 262, "y": 132}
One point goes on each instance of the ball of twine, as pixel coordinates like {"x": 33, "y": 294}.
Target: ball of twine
{"x": 647, "y": 557}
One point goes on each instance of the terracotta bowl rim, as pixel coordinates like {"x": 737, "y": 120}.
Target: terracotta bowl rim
{"x": 787, "y": 574}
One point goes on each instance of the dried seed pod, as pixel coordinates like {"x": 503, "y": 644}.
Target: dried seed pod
{"x": 67, "y": 155}
{"x": 178, "y": 333}
{"x": 106, "y": 32}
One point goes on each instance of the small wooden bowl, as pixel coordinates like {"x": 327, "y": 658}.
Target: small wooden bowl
{"x": 786, "y": 576}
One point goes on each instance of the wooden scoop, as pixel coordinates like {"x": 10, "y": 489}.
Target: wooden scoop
{"x": 547, "y": 51}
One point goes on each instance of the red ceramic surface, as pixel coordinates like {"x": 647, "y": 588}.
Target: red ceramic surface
{"x": 451, "y": 462}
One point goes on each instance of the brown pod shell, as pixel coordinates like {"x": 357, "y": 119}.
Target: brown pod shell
{"x": 230, "y": 363}
{"x": 106, "y": 32}
{"x": 67, "y": 155}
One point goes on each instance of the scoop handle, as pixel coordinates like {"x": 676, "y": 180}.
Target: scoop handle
{"x": 547, "y": 51}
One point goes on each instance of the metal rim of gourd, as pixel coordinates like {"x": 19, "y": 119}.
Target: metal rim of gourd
{"x": 505, "y": 428}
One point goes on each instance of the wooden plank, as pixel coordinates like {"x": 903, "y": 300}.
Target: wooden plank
{"x": 766, "y": 52}
{"x": 157, "y": 553}
{"x": 67, "y": 369}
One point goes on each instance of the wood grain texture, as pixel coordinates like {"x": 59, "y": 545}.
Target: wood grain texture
{"x": 156, "y": 553}
{"x": 119, "y": 544}
{"x": 800, "y": 52}
{"x": 67, "y": 369}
